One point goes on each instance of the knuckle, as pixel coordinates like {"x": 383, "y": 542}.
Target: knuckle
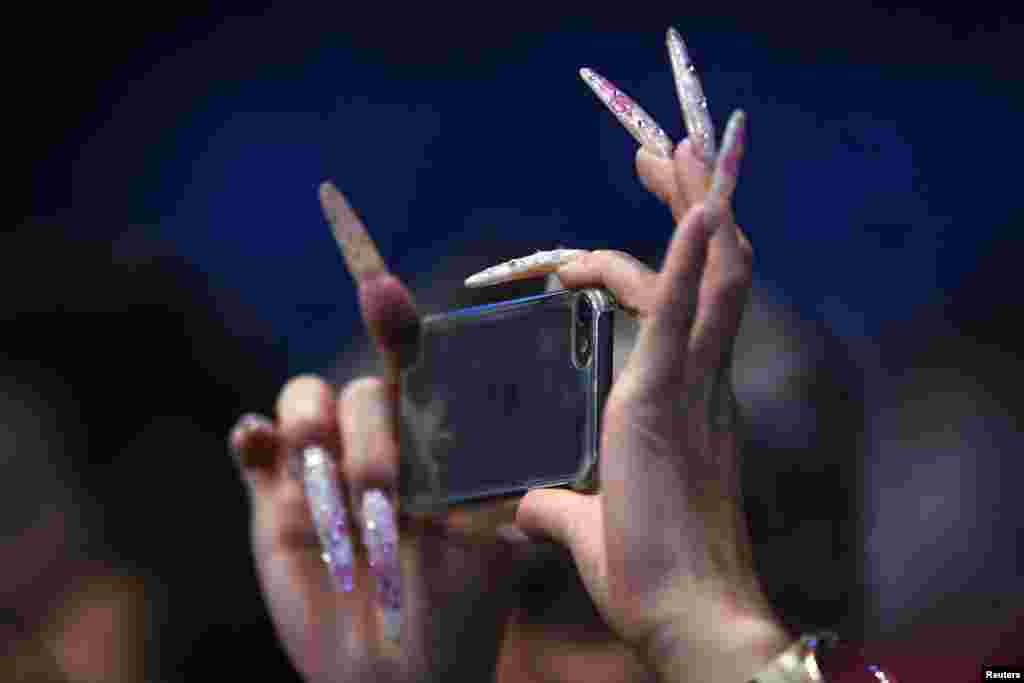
{"x": 616, "y": 409}
{"x": 675, "y": 308}
{"x": 600, "y": 260}
{"x": 356, "y": 402}
{"x": 622, "y": 262}
{"x": 300, "y": 386}
{"x": 620, "y": 255}
{"x": 596, "y": 259}
{"x": 304, "y": 401}
{"x": 368, "y": 439}
{"x": 720, "y": 295}
{"x": 746, "y": 248}
{"x": 359, "y": 390}
{"x": 733, "y": 282}
{"x": 371, "y": 468}
{"x": 681, "y": 151}
{"x": 371, "y": 459}
{"x": 746, "y": 257}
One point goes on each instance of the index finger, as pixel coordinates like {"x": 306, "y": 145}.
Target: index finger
{"x": 385, "y": 303}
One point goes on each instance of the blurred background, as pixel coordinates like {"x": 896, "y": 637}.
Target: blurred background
{"x": 169, "y": 269}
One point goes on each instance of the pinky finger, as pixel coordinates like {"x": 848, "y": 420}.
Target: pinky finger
{"x": 255, "y": 443}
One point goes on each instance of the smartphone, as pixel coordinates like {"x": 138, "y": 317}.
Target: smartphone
{"x": 506, "y": 397}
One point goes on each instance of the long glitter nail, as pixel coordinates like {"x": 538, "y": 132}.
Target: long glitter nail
{"x": 534, "y": 265}
{"x": 691, "y": 98}
{"x": 320, "y": 478}
{"x": 380, "y": 536}
{"x": 727, "y": 168}
{"x": 631, "y": 115}
{"x": 247, "y": 424}
{"x": 361, "y": 255}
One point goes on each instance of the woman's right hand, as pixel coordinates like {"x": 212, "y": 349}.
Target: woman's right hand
{"x": 438, "y": 583}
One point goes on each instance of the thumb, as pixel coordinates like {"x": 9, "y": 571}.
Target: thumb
{"x": 556, "y": 514}
{"x": 575, "y": 521}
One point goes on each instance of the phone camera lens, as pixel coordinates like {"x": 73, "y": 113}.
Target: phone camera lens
{"x": 584, "y": 329}
{"x": 584, "y": 350}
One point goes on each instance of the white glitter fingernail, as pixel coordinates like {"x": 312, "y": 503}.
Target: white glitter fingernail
{"x": 534, "y": 265}
{"x": 691, "y": 98}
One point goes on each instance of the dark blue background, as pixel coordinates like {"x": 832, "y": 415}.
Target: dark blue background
{"x": 165, "y": 169}
{"x": 881, "y": 164}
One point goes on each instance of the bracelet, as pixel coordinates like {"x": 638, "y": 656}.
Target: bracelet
{"x": 797, "y": 664}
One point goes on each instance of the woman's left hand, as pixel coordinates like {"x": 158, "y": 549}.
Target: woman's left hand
{"x": 663, "y": 548}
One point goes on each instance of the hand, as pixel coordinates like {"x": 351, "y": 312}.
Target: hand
{"x": 663, "y": 548}
{"x": 442, "y": 585}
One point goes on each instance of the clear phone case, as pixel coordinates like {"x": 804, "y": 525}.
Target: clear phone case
{"x": 506, "y": 397}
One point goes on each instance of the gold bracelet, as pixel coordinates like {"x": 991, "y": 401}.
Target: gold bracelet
{"x": 796, "y": 665}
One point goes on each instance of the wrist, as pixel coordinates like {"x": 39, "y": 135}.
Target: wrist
{"x": 729, "y": 651}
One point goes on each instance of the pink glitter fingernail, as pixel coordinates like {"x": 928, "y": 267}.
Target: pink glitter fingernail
{"x": 723, "y": 180}
{"x": 380, "y": 536}
{"x": 631, "y": 115}
{"x": 320, "y": 478}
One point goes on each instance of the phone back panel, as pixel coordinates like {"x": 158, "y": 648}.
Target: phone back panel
{"x": 495, "y": 405}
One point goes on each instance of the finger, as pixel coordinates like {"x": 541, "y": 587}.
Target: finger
{"x": 697, "y": 181}
{"x": 404, "y": 597}
{"x": 308, "y": 428}
{"x": 369, "y": 436}
{"x": 728, "y": 274}
{"x": 330, "y": 515}
{"x": 534, "y": 265}
{"x": 727, "y": 168}
{"x": 370, "y": 470}
{"x": 723, "y": 185}
{"x": 722, "y": 300}
{"x": 380, "y": 537}
{"x": 572, "y": 519}
{"x": 684, "y": 261}
{"x": 658, "y": 176}
{"x": 631, "y": 281}
{"x": 390, "y": 317}
{"x": 661, "y": 344}
{"x": 306, "y": 413}
{"x": 360, "y": 253}
{"x": 480, "y": 519}
{"x": 255, "y": 445}
{"x": 553, "y": 514}
{"x": 630, "y": 114}
{"x": 691, "y": 175}
{"x": 386, "y": 305}
{"x": 691, "y": 99}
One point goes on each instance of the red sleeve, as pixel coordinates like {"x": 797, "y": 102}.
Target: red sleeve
{"x": 958, "y": 654}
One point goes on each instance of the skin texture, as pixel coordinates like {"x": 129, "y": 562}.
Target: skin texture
{"x": 662, "y": 549}
{"x": 449, "y": 581}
